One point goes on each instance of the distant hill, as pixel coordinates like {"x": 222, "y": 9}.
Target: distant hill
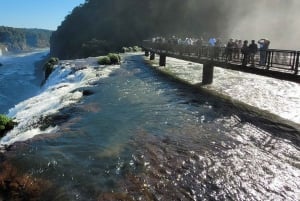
{"x": 99, "y": 26}
{"x": 19, "y": 39}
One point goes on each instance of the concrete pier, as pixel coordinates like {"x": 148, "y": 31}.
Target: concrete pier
{"x": 152, "y": 55}
{"x": 162, "y": 60}
{"x": 208, "y": 73}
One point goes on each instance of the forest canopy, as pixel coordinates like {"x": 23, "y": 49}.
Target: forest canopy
{"x": 17, "y": 39}
{"x": 101, "y": 26}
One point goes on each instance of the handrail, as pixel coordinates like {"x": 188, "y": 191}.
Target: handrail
{"x": 281, "y": 60}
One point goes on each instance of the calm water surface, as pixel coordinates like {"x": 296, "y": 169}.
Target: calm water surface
{"x": 141, "y": 136}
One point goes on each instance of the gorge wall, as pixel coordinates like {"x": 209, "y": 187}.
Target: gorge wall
{"x": 17, "y": 39}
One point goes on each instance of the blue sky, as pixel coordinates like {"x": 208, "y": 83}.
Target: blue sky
{"x": 45, "y": 14}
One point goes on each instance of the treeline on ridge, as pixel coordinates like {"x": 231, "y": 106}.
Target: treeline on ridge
{"x": 19, "y": 39}
{"x": 98, "y": 27}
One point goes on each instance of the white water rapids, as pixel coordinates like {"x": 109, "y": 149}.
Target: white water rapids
{"x": 150, "y": 136}
{"x": 59, "y": 91}
{"x": 273, "y": 95}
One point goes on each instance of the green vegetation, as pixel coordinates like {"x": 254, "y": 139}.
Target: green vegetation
{"x": 114, "y": 58}
{"x": 131, "y": 49}
{"x": 92, "y": 28}
{"x": 6, "y": 124}
{"x": 49, "y": 66}
{"x": 137, "y": 49}
{"x": 16, "y": 39}
{"x": 110, "y": 59}
{"x": 104, "y": 60}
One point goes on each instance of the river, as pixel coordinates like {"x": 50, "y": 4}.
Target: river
{"x": 126, "y": 132}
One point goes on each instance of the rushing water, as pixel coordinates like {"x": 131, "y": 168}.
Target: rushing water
{"x": 18, "y": 79}
{"x": 142, "y": 136}
{"x": 276, "y": 96}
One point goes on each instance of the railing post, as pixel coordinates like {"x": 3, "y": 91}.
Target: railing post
{"x": 268, "y": 59}
{"x": 162, "y": 60}
{"x": 152, "y": 55}
{"x": 198, "y": 52}
{"x": 297, "y": 63}
{"x": 208, "y": 73}
{"x": 180, "y": 49}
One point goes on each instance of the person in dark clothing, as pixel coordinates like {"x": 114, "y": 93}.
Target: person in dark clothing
{"x": 252, "y": 51}
{"x": 217, "y": 49}
{"x": 229, "y": 50}
{"x": 245, "y": 52}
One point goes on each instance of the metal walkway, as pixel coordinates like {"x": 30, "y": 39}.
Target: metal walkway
{"x": 280, "y": 64}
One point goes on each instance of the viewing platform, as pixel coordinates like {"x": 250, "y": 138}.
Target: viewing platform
{"x": 279, "y": 64}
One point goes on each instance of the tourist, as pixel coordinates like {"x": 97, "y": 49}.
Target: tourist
{"x": 239, "y": 45}
{"x": 212, "y": 42}
{"x": 245, "y": 52}
{"x": 229, "y": 50}
{"x": 199, "y": 44}
{"x": 264, "y": 46}
{"x": 235, "y": 49}
{"x": 252, "y": 51}
{"x": 217, "y": 48}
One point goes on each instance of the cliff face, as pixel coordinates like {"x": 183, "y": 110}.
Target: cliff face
{"x": 100, "y": 26}
{"x": 15, "y": 39}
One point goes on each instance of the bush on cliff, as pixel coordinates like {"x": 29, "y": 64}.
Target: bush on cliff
{"x": 6, "y": 124}
{"x": 110, "y": 59}
{"x": 114, "y": 58}
{"x": 104, "y": 60}
{"x": 137, "y": 49}
{"x": 131, "y": 49}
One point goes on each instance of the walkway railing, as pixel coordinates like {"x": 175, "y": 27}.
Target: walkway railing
{"x": 285, "y": 61}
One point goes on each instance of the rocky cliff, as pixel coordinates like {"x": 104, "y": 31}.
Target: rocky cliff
{"x": 16, "y": 39}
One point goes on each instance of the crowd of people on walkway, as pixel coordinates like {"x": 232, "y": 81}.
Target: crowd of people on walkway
{"x": 233, "y": 50}
{"x": 249, "y": 51}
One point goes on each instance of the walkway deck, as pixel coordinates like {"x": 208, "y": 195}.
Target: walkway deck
{"x": 280, "y": 64}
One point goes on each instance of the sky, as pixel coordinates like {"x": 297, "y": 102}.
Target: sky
{"x": 44, "y": 14}
{"x": 278, "y": 21}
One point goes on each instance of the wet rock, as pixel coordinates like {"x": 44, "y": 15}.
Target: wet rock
{"x": 87, "y": 92}
{"x": 77, "y": 68}
{"x": 53, "y": 120}
{"x": 15, "y": 186}
{"x": 114, "y": 196}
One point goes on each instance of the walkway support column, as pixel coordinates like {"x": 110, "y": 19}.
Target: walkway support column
{"x": 152, "y": 55}
{"x": 297, "y": 63}
{"x": 208, "y": 73}
{"x": 162, "y": 60}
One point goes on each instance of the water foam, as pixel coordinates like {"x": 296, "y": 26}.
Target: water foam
{"x": 276, "y": 96}
{"x": 59, "y": 91}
